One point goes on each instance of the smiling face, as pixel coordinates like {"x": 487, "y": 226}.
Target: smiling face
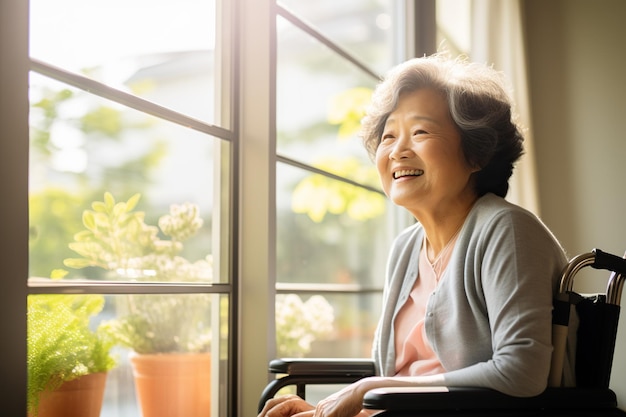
{"x": 420, "y": 160}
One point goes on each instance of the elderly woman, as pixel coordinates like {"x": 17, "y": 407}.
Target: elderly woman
{"x": 468, "y": 291}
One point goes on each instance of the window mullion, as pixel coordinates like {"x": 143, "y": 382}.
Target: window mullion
{"x": 256, "y": 173}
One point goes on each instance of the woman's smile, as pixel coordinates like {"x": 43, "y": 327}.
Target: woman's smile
{"x": 408, "y": 173}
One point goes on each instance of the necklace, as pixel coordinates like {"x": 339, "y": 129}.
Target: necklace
{"x": 437, "y": 263}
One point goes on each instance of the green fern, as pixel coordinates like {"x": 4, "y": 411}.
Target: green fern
{"x": 61, "y": 345}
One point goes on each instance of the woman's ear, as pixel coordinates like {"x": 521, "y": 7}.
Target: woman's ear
{"x": 473, "y": 166}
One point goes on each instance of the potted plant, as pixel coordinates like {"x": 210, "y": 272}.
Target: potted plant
{"x": 169, "y": 335}
{"x": 67, "y": 360}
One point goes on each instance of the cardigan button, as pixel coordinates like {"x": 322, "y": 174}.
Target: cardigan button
{"x": 430, "y": 314}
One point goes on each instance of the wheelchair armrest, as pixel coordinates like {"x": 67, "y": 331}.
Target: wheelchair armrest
{"x": 311, "y": 371}
{"x": 464, "y": 398}
{"x": 323, "y": 366}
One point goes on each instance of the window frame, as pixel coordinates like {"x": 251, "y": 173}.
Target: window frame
{"x": 14, "y": 186}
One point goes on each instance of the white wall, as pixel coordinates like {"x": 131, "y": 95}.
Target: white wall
{"x": 578, "y": 96}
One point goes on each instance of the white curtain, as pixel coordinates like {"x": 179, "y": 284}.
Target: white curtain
{"x": 497, "y": 39}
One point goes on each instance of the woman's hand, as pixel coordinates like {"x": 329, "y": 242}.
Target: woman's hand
{"x": 345, "y": 403}
{"x": 287, "y": 406}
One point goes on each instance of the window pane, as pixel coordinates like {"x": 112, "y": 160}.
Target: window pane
{"x": 72, "y": 335}
{"x": 363, "y": 28}
{"x": 321, "y": 130}
{"x": 333, "y": 236}
{"x": 130, "y": 202}
{"x": 161, "y": 50}
{"x": 83, "y": 147}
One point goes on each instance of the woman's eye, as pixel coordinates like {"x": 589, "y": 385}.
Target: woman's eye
{"x": 419, "y": 132}
{"x": 386, "y": 137}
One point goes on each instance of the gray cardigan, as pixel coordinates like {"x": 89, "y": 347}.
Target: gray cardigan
{"x": 489, "y": 320}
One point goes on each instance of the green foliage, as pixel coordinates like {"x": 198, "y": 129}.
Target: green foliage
{"x": 48, "y": 106}
{"x": 61, "y": 345}
{"x": 113, "y": 235}
{"x": 54, "y": 216}
{"x": 117, "y": 239}
{"x": 316, "y": 195}
{"x": 347, "y": 109}
{"x": 103, "y": 120}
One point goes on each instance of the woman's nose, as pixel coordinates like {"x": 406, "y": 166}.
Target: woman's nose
{"x": 401, "y": 148}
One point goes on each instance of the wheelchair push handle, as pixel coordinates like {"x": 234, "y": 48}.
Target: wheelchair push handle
{"x": 597, "y": 259}
{"x": 608, "y": 261}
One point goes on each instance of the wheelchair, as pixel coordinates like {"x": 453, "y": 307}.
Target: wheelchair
{"x": 598, "y": 317}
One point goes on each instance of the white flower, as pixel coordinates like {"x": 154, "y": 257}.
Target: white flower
{"x": 299, "y": 323}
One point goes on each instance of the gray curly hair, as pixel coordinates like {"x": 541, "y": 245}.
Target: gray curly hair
{"x": 479, "y": 106}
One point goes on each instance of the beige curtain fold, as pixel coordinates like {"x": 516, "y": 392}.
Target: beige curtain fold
{"x": 497, "y": 39}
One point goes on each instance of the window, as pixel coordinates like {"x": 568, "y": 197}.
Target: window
{"x": 179, "y": 117}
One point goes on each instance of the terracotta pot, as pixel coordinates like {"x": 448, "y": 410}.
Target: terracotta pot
{"x": 173, "y": 384}
{"x": 81, "y": 397}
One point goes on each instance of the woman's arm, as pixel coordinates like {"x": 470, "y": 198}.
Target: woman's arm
{"x": 510, "y": 288}
{"x": 349, "y": 401}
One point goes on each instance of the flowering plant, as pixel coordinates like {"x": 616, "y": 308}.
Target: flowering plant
{"x": 116, "y": 238}
{"x": 299, "y": 323}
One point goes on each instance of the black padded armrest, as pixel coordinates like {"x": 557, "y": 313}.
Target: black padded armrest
{"x": 460, "y": 398}
{"x": 300, "y": 372}
{"x": 323, "y": 366}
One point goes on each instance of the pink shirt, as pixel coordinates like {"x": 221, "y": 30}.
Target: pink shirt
{"x": 414, "y": 355}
